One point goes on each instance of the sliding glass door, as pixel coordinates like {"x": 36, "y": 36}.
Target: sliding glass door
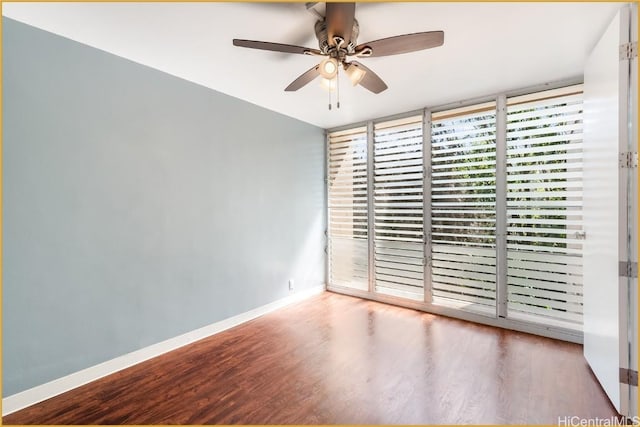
{"x": 477, "y": 208}
{"x": 463, "y": 207}
{"x": 544, "y": 206}
{"x": 347, "y": 203}
{"x": 398, "y": 208}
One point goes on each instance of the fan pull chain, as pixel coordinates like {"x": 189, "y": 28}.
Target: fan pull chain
{"x": 338, "y": 89}
{"x": 329, "y": 98}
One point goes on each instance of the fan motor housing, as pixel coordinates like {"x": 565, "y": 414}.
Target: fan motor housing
{"x": 323, "y": 37}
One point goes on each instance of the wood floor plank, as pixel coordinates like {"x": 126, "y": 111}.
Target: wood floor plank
{"x": 335, "y": 359}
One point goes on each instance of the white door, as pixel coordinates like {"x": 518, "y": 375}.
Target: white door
{"x": 606, "y": 130}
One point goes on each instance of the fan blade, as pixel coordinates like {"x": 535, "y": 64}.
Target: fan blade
{"x": 339, "y": 19}
{"x": 305, "y": 78}
{"x": 370, "y": 80}
{"x": 276, "y": 47}
{"x": 404, "y": 43}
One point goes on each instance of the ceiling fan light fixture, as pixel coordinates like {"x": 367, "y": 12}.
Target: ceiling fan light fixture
{"x": 355, "y": 74}
{"x": 328, "y": 68}
{"x": 329, "y": 84}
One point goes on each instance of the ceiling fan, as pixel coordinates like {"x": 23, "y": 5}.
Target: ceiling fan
{"x": 337, "y": 34}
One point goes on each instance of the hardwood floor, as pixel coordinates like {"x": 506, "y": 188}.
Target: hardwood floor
{"x": 335, "y": 359}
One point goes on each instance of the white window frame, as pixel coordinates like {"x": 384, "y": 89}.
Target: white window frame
{"x": 497, "y": 318}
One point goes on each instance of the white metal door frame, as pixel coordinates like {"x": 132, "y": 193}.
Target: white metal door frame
{"x": 633, "y": 213}
{"x": 623, "y": 214}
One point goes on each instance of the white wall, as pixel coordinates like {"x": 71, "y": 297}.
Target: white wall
{"x": 139, "y": 206}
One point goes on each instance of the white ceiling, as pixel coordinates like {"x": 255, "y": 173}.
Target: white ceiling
{"x": 489, "y": 47}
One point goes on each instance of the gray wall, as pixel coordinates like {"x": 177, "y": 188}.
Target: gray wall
{"x": 139, "y": 206}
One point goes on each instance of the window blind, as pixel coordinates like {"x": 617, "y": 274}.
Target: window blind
{"x": 347, "y": 203}
{"x": 544, "y": 206}
{"x": 398, "y": 208}
{"x": 463, "y": 203}
{"x": 386, "y": 232}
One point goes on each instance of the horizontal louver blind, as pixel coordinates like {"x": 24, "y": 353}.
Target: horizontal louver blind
{"x": 544, "y": 208}
{"x": 398, "y": 208}
{"x": 347, "y": 199}
{"x": 463, "y": 203}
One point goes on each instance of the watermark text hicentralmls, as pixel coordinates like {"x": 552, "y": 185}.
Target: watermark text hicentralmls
{"x": 576, "y": 421}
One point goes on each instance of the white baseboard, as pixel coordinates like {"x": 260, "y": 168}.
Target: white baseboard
{"x": 53, "y": 388}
